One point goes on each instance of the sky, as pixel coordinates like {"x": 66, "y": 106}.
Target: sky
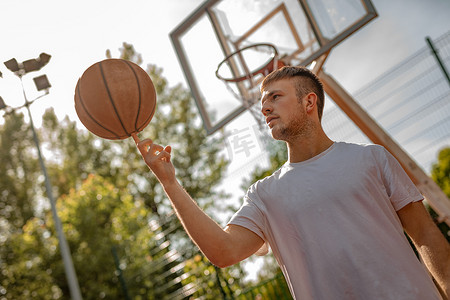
{"x": 77, "y": 34}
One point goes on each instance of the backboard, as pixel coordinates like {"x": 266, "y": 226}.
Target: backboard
{"x": 300, "y": 30}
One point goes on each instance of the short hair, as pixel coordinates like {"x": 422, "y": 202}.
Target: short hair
{"x": 306, "y": 82}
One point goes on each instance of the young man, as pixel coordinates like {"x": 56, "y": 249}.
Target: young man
{"x": 333, "y": 215}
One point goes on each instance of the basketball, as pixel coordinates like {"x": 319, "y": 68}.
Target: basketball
{"x": 115, "y": 98}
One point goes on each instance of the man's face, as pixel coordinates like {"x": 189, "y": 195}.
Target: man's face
{"x": 285, "y": 114}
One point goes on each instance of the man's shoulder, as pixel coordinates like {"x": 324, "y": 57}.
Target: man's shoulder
{"x": 360, "y": 147}
{"x": 363, "y": 154}
{"x": 266, "y": 181}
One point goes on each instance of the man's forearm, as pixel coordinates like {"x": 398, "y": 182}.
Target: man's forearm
{"x": 205, "y": 232}
{"x": 429, "y": 241}
{"x": 437, "y": 260}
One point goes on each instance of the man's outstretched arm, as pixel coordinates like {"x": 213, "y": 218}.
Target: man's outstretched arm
{"x": 223, "y": 247}
{"x": 429, "y": 241}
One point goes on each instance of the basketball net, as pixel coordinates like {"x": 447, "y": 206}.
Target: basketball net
{"x": 251, "y": 99}
{"x": 247, "y": 87}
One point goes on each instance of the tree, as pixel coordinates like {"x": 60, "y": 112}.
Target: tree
{"x": 18, "y": 197}
{"x": 440, "y": 172}
{"x": 84, "y": 168}
{"x": 96, "y": 217}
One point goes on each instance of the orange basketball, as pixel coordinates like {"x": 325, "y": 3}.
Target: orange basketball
{"x": 115, "y": 98}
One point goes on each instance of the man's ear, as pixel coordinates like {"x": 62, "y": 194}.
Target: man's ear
{"x": 310, "y": 102}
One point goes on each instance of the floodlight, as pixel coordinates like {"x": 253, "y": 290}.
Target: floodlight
{"x": 42, "y": 82}
{"x": 44, "y": 58}
{"x": 31, "y": 65}
{"x": 12, "y": 65}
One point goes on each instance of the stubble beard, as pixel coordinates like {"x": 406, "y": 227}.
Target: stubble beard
{"x": 298, "y": 127}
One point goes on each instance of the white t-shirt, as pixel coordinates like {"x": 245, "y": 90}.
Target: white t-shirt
{"x": 332, "y": 225}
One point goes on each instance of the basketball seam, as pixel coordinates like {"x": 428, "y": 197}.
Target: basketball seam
{"x": 139, "y": 90}
{"x": 89, "y": 115}
{"x": 139, "y": 128}
{"x": 151, "y": 115}
{"x": 153, "y": 110}
{"x": 111, "y": 99}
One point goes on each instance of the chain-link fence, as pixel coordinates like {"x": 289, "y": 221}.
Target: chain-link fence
{"x": 173, "y": 267}
{"x": 176, "y": 269}
{"x": 411, "y": 101}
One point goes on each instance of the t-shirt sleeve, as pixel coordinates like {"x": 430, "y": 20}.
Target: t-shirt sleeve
{"x": 399, "y": 187}
{"x": 251, "y": 217}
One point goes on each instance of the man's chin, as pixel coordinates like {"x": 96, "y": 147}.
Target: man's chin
{"x": 276, "y": 134}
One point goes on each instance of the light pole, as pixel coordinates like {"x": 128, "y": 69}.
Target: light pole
{"x": 42, "y": 83}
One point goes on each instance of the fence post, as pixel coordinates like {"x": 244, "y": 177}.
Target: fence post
{"x": 119, "y": 273}
{"x": 438, "y": 58}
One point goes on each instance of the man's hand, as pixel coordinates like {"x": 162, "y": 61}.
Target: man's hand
{"x": 157, "y": 159}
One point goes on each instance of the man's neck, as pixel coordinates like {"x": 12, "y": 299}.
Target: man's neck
{"x": 307, "y": 147}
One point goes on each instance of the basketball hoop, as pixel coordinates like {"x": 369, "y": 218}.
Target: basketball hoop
{"x": 247, "y": 67}
{"x": 264, "y": 69}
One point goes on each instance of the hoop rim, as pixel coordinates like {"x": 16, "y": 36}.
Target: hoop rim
{"x": 252, "y": 73}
